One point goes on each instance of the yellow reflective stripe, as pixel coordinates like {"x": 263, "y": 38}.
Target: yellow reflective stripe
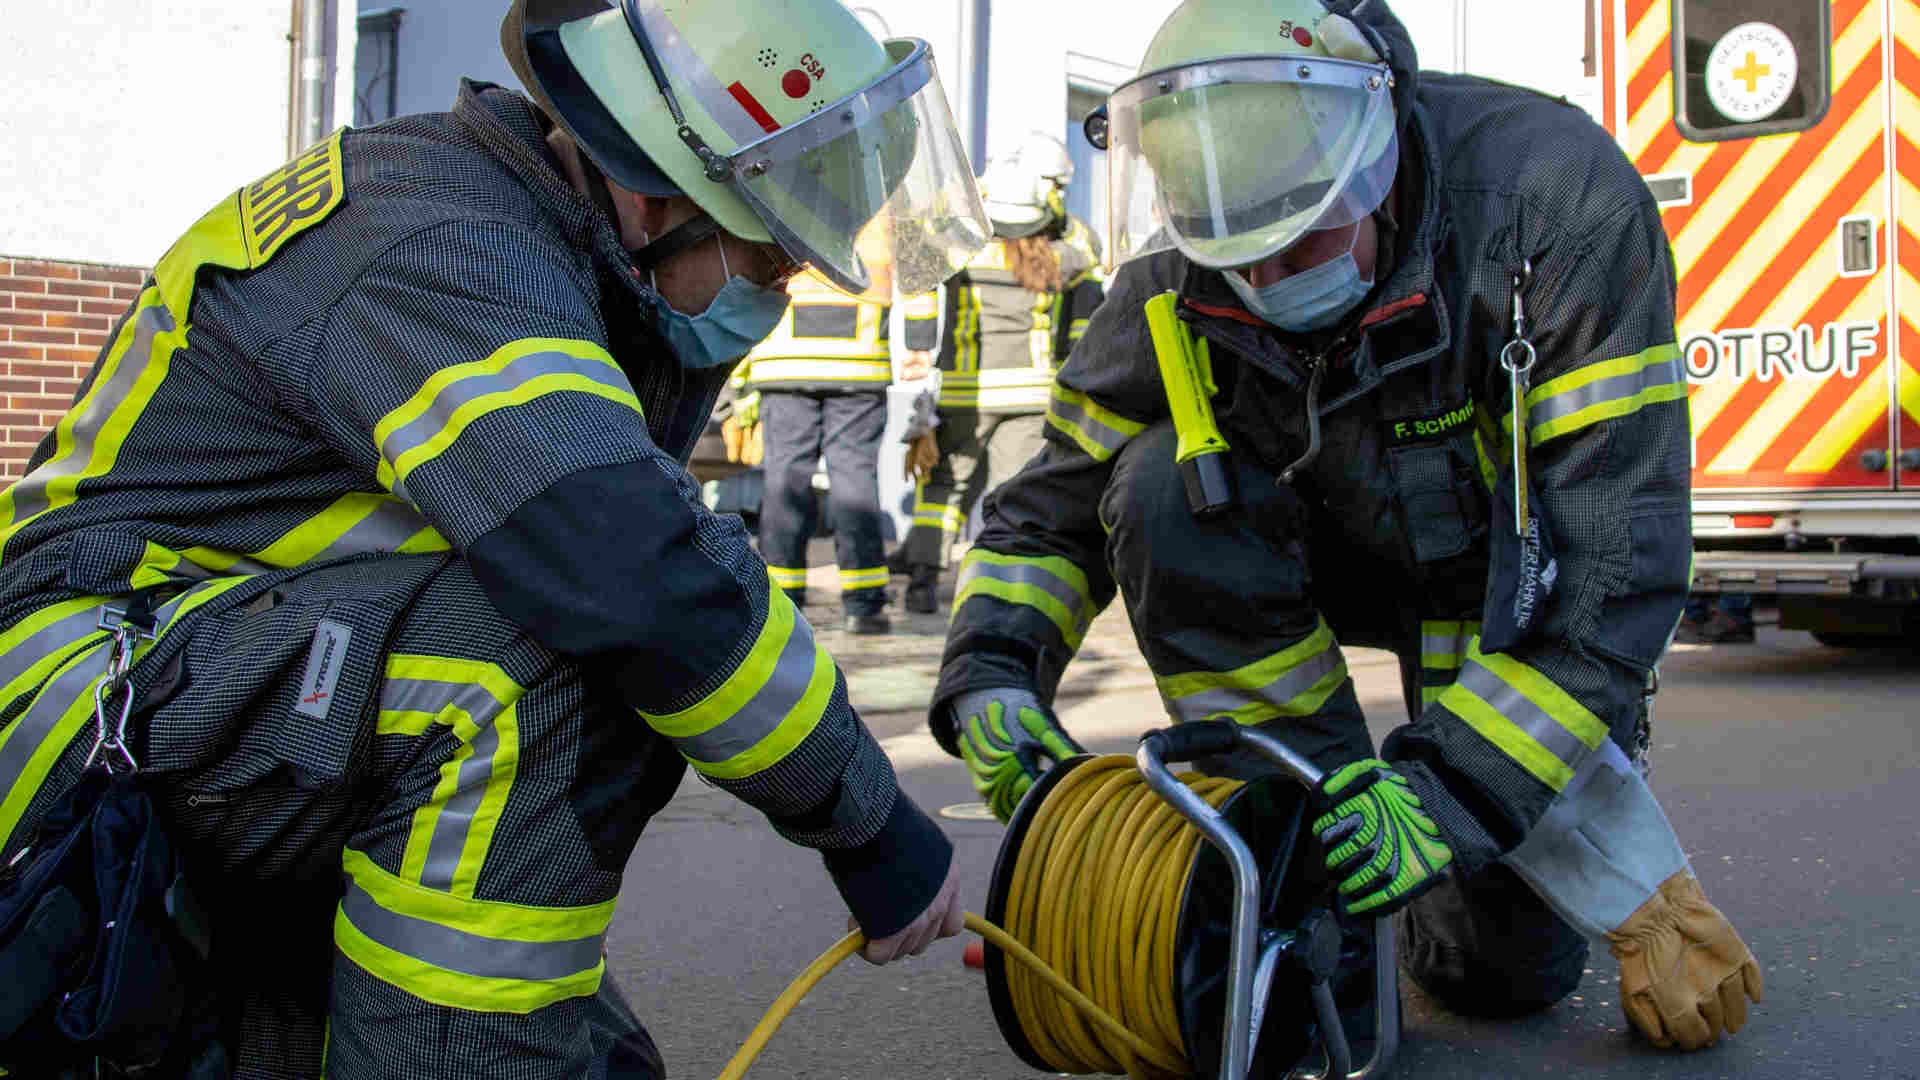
{"x": 1489, "y": 473}
{"x": 1506, "y": 736}
{"x": 1296, "y": 681}
{"x": 788, "y": 577}
{"x": 1525, "y": 715}
{"x": 1444, "y": 644}
{"x": 80, "y": 617}
{"x": 434, "y": 418}
{"x": 770, "y": 703}
{"x": 821, "y": 365}
{"x": 87, "y": 440}
{"x": 450, "y": 835}
{"x": 1543, "y": 692}
{"x": 33, "y": 742}
{"x": 1050, "y": 585}
{"x": 869, "y": 578}
{"x": 1097, "y": 430}
{"x": 1603, "y": 391}
{"x": 465, "y": 953}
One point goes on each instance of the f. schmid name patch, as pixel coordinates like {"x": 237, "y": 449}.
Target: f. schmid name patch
{"x": 324, "y": 661}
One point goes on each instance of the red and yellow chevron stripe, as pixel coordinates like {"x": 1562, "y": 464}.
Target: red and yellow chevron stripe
{"x": 1756, "y": 248}
{"x": 1906, "y": 201}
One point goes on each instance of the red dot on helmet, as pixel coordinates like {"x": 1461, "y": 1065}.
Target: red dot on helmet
{"x": 796, "y": 83}
{"x": 1301, "y": 37}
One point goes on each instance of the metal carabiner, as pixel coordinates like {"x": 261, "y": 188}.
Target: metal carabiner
{"x": 107, "y": 740}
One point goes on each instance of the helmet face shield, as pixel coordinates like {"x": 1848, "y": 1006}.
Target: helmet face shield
{"x": 1233, "y": 160}
{"x": 874, "y": 190}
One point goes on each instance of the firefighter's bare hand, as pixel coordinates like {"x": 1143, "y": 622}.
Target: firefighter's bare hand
{"x": 922, "y": 456}
{"x": 943, "y": 918}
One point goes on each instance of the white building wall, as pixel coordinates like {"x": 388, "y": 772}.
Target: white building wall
{"x": 123, "y": 121}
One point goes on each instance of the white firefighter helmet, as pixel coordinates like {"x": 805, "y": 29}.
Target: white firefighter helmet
{"x": 1022, "y": 189}
{"x": 786, "y": 121}
{"x": 1251, "y": 123}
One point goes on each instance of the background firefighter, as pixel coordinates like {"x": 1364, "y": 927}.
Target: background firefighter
{"x": 997, "y": 331}
{"x": 1354, "y": 245}
{"x": 393, "y": 443}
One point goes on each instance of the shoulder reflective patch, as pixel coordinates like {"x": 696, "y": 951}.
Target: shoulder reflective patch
{"x": 292, "y": 199}
{"x": 1099, "y": 431}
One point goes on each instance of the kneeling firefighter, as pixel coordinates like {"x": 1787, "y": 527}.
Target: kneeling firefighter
{"x": 384, "y": 469}
{"x": 1390, "y": 361}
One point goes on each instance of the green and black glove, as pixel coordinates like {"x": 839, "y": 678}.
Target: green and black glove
{"x": 1003, "y": 734}
{"x": 1381, "y": 846}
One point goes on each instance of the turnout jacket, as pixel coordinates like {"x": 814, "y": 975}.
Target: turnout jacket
{"x": 1409, "y": 404}
{"x": 419, "y": 337}
{"x": 998, "y": 343}
{"x": 827, "y": 341}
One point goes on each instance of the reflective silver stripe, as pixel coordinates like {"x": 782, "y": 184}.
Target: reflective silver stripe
{"x": 421, "y": 429}
{"x": 50, "y": 639}
{"x": 25, "y": 735}
{"x": 469, "y": 954}
{"x": 1617, "y": 388}
{"x": 1278, "y": 692}
{"x": 392, "y": 524}
{"x": 1033, "y": 575}
{"x": 1523, "y": 713}
{"x": 763, "y": 714}
{"x": 1452, "y": 645}
{"x": 1109, "y": 439}
{"x": 30, "y": 493}
{"x": 456, "y": 815}
{"x": 20, "y": 740}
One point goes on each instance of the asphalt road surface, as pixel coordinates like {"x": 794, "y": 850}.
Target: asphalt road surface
{"x": 1792, "y": 773}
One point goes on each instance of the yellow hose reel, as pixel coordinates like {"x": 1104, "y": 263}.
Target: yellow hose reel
{"x": 1188, "y": 908}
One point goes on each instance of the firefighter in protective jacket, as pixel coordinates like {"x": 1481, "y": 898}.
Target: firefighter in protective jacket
{"x": 391, "y": 446}
{"x": 996, "y": 333}
{"x": 1390, "y": 361}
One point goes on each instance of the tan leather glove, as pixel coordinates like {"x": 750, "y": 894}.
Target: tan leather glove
{"x": 1685, "y": 975}
{"x": 755, "y": 449}
{"x": 922, "y": 456}
{"x": 734, "y": 438}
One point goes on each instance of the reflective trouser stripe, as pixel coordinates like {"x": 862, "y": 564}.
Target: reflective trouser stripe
{"x": 479, "y": 955}
{"x": 1051, "y": 585}
{"x": 1097, "y": 430}
{"x": 452, "y": 833}
{"x": 1443, "y": 649}
{"x": 58, "y": 649}
{"x": 788, "y": 577}
{"x": 943, "y": 516}
{"x": 1296, "y": 681}
{"x": 1597, "y": 392}
{"x": 873, "y": 577}
{"x": 771, "y": 702}
{"x": 1522, "y": 713}
{"x": 859, "y": 365}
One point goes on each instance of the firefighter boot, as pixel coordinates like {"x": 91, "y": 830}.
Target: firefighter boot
{"x": 923, "y": 589}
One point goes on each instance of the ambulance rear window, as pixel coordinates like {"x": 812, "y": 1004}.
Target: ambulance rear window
{"x": 1744, "y": 68}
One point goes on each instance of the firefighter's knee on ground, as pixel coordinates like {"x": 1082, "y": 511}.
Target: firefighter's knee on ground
{"x": 1489, "y": 947}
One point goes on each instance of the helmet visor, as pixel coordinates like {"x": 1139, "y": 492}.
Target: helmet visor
{"x": 874, "y": 191}
{"x": 1234, "y": 160}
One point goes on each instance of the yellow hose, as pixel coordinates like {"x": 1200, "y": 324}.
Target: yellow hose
{"x": 1096, "y": 892}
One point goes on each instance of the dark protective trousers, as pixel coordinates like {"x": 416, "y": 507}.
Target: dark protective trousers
{"x": 979, "y": 451}
{"x": 408, "y": 820}
{"x": 845, "y": 428}
{"x": 1232, "y": 591}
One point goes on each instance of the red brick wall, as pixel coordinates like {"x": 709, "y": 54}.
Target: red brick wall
{"x": 54, "y": 316}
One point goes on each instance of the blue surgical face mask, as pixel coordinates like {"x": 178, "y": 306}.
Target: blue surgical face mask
{"x": 1309, "y": 300}
{"x": 740, "y": 317}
